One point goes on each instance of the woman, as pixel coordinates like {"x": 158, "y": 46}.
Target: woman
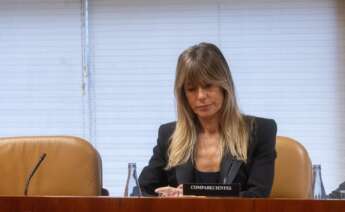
{"x": 211, "y": 141}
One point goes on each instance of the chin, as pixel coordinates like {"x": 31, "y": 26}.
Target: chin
{"x": 205, "y": 115}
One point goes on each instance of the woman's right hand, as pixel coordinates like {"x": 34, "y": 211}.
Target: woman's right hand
{"x": 168, "y": 191}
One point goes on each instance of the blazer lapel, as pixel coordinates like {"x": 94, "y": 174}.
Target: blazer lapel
{"x": 184, "y": 173}
{"x": 230, "y": 166}
{"x": 229, "y": 169}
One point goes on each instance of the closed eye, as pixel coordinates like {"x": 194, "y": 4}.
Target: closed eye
{"x": 191, "y": 89}
{"x": 207, "y": 85}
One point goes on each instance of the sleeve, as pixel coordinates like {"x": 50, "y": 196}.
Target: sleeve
{"x": 261, "y": 172}
{"x": 153, "y": 175}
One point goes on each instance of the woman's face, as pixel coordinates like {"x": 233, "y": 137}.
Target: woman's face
{"x": 205, "y": 100}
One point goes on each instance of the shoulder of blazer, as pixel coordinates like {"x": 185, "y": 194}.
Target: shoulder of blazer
{"x": 167, "y": 129}
{"x": 261, "y": 124}
{"x": 262, "y": 131}
{"x": 262, "y": 136}
{"x": 164, "y": 133}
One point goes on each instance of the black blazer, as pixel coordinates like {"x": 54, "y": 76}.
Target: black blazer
{"x": 255, "y": 176}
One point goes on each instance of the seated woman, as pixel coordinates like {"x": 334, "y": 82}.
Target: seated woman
{"x": 211, "y": 141}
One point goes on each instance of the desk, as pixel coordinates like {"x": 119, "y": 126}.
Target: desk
{"x": 86, "y": 204}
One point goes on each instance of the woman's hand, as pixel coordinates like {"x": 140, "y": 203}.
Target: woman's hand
{"x": 169, "y": 191}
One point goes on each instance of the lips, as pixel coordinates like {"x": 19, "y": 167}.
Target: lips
{"x": 203, "y": 107}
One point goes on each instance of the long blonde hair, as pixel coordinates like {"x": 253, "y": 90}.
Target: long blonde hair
{"x": 205, "y": 64}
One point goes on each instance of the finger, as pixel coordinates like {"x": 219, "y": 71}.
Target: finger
{"x": 162, "y": 189}
{"x": 168, "y": 192}
{"x": 172, "y": 194}
{"x": 165, "y": 191}
{"x": 180, "y": 192}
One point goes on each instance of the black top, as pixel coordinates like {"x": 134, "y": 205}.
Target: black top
{"x": 255, "y": 175}
{"x": 206, "y": 177}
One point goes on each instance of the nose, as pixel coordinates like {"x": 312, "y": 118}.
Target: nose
{"x": 201, "y": 93}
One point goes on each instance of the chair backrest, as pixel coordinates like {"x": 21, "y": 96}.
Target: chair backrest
{"x": 293, "y": 170}
{"x": 72, "y": 166}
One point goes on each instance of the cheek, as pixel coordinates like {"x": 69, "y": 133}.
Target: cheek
{"x": 190, "y": 100}
{"x": 190, "y": 97}
{"x": 220, "y": 100}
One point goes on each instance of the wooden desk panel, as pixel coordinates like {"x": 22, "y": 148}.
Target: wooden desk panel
{"x": 86, "y": 204}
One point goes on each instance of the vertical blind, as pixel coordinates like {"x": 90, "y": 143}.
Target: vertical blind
{"x": 283, "y": 56}
{"x": 40, "y": 68}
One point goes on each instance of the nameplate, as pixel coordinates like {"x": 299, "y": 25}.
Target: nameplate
{"x": 212, "y": 189}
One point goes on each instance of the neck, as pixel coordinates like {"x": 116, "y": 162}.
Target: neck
{"x": 209, "y": 126}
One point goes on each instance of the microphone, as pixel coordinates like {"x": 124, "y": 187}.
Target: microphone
{"x": 32, "y": 173}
